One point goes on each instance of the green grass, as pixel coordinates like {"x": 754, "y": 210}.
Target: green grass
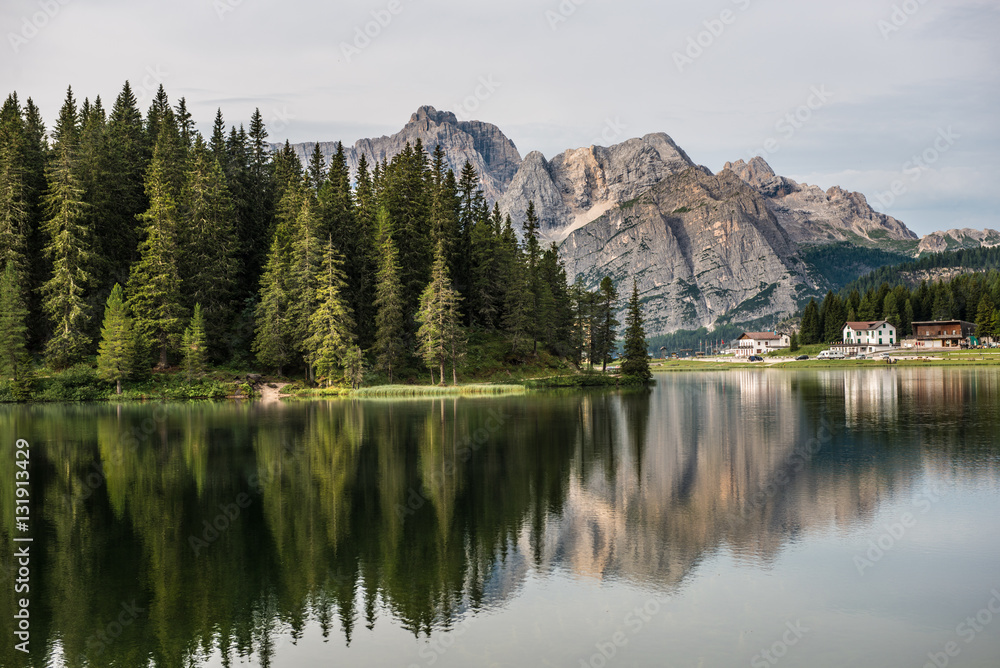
{"x": 694, "y": 365}
{"x": 811, "y": 350}
{"x": 80, "y": 383}
{"x": 437, "y": 390}
{"x": 589, "y": 379}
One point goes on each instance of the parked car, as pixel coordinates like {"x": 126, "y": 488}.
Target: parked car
{"x": 755, "y": 358}
{"x": 861, "y": 357}
{"x": 801, "y": 357}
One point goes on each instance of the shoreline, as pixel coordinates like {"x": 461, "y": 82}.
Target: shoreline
{"x": 273, "y": 391}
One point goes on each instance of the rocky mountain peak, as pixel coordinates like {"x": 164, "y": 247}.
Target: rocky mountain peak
{"x": 491, "y": 153}
{"x": 756, "y": 173}
{"x": 579, "y": 185}
{"x": 431, "y": 114}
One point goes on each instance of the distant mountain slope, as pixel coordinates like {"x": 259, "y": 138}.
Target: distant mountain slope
{"x": 936, "y": 242}
{"x": 812, "y": 216}
{"x": 934, "y": 266}
{"x": 494, "y": 156}
{"x": 701, "y": 246}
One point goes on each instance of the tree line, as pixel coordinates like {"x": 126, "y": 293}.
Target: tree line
{"x": 136, "y": 239}
{"x": 974, "y": 297}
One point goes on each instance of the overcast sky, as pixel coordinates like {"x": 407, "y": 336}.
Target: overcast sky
{"x": 886, "y": 80}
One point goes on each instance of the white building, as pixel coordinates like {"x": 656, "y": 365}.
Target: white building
{"x": 758, "y": 343}
{"x": 869, "y": 337}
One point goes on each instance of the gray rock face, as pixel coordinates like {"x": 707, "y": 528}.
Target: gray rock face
{"x": 494, "y": 156}
{"x": 812, "y": 216}
{"x": 700, "y": 246}
{"x": 935, "y": 242}
{"x": 580, "y": 185}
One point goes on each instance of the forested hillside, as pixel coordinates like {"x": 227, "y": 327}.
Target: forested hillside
{"x": 129, "y": 242}
{"x": 974, "y": 297}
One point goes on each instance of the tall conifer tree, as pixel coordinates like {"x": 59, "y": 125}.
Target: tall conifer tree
{"x": 116, "y": 352}
{"x": 68, "y": 246}
{"x": 207, "y": 243}
{"x": 331, "y": 327}
{"x": 154, "y": 283}
{"x": 635, "y": 361}
{"x": 439, "y": 335}
{"x": 14, "y": 361}
{"x": 389, "y": 329}
{"x": 194, "y": 347}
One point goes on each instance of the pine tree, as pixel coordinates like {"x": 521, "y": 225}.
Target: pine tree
{"x": 389, "y": 325}
{"x": 406, "y": 198}
{"x": 354, "y": 367}
{"x": 579, "y": 333}
{"x": 532, "y": 256}
{"x": 944, "y": 303}
{"x": 15, "y": 208}
{"x": 810, "y": 332}
{"x": 308, "y": 249}
{"x": 207, "y": 243}
{"x": 890, "y": 311}
{"x": 158, "y": 110}
{"x": 217, "y": 144}
{"x": 482, "y": 300}
{"x": 331, "y": 327}
{"x": 154, "y": 283}
{"x": 36, "y": 156}
{"x": 517, "y": 304}
{"x": 635, "y": 362}
{"x": 14, "y": 361}
{"x": 316, "y": 168}
{"x": 444, "y": 212}
{"x": 439, "y": 335}
{"x": 273, "y": 344}
{"x": 185, "y": 125}
{"x": 470, "y": 202}
{"x": 194, "y": 347}
{"x": 555, "y": 303}
{"x": 793, "y": 343}
{"x": 124, "y": 165}
{"x": 68, "y": 246}
{"x": 607, "y": 326}
{"x": 835, "y": 316}
{"x": 984, "y": 316}
{"x": 907, "y": 324}
{"x": 116, "y": 352}
{"x": 90, "y": 167}
{"x": 255, "y": 207}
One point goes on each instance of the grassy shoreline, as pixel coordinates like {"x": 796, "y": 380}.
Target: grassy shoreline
{"x": 79, "y": 384}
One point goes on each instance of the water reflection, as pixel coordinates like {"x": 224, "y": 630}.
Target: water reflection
{"x": 219, "y": 525}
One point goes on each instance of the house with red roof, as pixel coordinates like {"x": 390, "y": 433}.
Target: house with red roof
{"x": 758, "y": 343}
{"x": 870, "y": 336}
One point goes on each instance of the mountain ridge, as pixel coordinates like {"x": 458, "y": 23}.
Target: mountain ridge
{"x": 706, "y": 248}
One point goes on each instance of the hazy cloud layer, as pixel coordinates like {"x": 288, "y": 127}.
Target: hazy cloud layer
{"x": 845, "y": 93}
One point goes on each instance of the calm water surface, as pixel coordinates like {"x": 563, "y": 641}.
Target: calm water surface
{"x": 742, "y": 518}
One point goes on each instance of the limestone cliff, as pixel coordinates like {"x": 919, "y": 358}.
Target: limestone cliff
{"x": 580, "y": 185}
{"x": 700, "y": 246}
